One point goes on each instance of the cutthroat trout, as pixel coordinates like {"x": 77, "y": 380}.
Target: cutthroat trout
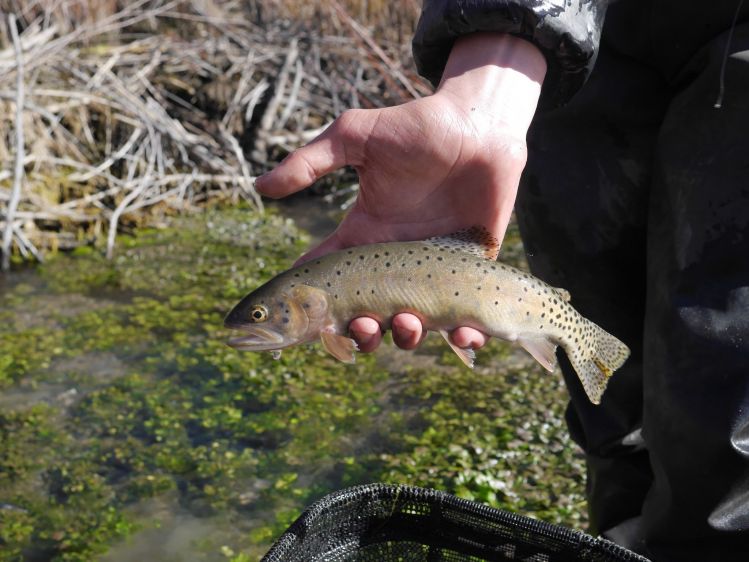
{"x": 446, "y": 282}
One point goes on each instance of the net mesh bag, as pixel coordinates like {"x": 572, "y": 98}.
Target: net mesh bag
{"x": 385, "y": 523}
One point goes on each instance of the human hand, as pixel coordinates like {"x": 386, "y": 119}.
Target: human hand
{"x": 431, "y": 166}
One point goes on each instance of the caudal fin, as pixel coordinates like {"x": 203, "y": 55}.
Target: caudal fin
{"x": 596, "y": 359}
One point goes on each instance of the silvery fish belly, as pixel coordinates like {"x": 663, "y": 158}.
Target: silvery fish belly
{"x": 447, "y": 282}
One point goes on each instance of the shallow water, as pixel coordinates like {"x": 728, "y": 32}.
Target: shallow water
{"x": 133, "y": 432}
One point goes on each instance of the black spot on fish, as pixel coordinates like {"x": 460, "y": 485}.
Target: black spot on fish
{"x": 439, "y": 258}
{"x": 305, "y": 305}
{"x": 318, "y": 262}
{"x": 387, "y": 264}
{"x": 296, "y": 275}
{"x": 456, "y": 293}
{"x": 306, "y": 270}
{"x": 453, "y": 272}
{"x": 285, "y": 320}
{"x": 387, "y": 253}
{"x": 338, "y": 272}
{"x": 350, "y": 252}
{"x": 411, "y": 252}
{"x": 373, "y": 291}
{"x": 418, "y": 262}
{"x": 358, "y": 292}
{"x": 361, "y": 257}
{"x": 520, "y": 299}
{"x": 328, "y": 283}
{"x": 377, "y": 255}
{"x": 348, "y": 262}
{"x": 464, "y": 259}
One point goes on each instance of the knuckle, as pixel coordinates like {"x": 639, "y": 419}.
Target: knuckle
{"x": 306, "y": 172}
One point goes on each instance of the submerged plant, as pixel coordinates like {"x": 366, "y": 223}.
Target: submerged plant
{"x": 123, "y": 410}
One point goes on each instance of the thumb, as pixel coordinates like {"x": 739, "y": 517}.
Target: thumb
{"x": 305, "y": 165}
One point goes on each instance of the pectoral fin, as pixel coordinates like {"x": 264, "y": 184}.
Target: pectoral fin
{"x": 467, "y": 355}
{"x": 340, "y": 347}
{"x": 542, "y": 350}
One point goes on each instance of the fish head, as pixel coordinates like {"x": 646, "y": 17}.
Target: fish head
{"x": 278, "y": 315}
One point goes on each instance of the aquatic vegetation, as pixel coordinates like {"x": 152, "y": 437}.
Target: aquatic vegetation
{"x": 124, "y": 416}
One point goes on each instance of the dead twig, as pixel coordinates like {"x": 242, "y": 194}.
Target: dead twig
{"x": 15, "y": 194}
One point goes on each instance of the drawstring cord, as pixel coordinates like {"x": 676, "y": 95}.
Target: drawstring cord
{"x": 719, "y": 102}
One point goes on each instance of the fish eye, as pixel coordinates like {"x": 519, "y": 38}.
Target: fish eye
{"x": 259, "y": 313}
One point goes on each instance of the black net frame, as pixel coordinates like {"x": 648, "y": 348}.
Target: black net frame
{"x": 380, "y": 522}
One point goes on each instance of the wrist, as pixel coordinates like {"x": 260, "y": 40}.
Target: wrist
{"x": 496, "y": 79}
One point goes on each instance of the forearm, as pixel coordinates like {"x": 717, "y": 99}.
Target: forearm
{"x": 496, "y": 78}
{"x": 567, "y": 33}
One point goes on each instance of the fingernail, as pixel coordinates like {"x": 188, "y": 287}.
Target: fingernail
{"x": 405, "y": 338}
{"x": 361, "y": 337}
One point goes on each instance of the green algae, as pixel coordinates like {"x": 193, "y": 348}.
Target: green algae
{"x": 119, "y": 393}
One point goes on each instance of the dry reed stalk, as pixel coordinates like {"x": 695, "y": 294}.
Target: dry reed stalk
{"x": 15, "y": 193}
{"x": 167, "y": 104}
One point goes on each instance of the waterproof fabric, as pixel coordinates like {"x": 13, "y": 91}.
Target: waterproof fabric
{"x": 402, "y": 523}
{"x": 636, "y": 199}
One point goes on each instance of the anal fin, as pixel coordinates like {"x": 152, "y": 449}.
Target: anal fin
{"x": 467, "y": 355}
{"x": 542, "y": 350}
{"x": 342, "y": 348}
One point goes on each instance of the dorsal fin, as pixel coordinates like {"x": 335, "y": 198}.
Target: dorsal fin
{"x": 476, "y": 240}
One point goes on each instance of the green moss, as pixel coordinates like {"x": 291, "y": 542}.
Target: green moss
{"x": 127, "y": 394}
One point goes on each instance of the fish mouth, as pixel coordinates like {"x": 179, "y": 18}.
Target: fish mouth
{"x": 256, "y": 339}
